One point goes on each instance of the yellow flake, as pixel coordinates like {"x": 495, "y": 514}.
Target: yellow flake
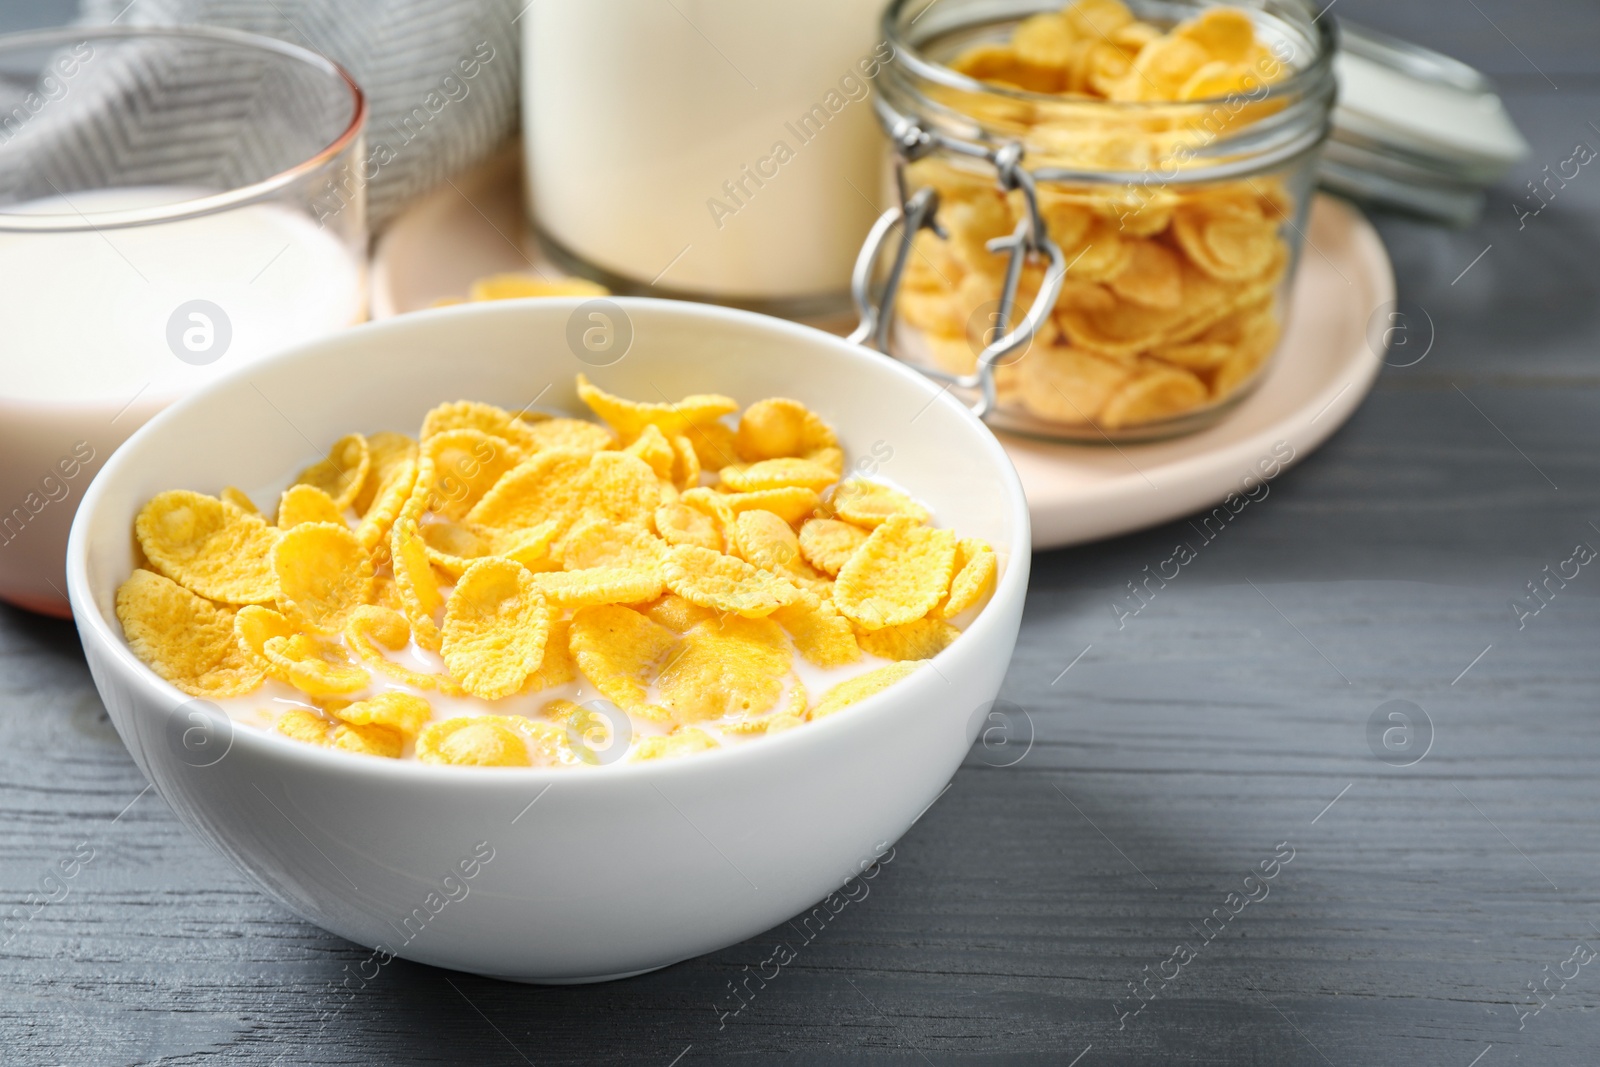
{"x": 918, "y": 639}
{"x": 419, "y": 592}
{"x": 576, "y": 435}
{"x": 315, "y": 667}
{"x": 209, "y": 547}
{"x": 344, "y": 471}
{"x": 862, "y": 686}
{"x": 764, "y": 540}
{"x": 466, "y": 464}
{"x": 630, "y": 417}
{"x": 393, "y": 489}
{"x": 685, "y": 462}
{"x": 474, "y": 741}
{"x": 372, "y": 629}
{"x": 516, "y": 286}
{"x": 714, "y": 445}
{"x": 898, "y": 575}
{"x": 780, "y": 427}
{"x": 454, "y": 546}
{"x": 680, "y": 524}
{"x": 617, "y": 650}
{"x": 676, "y": 613}
{"x": 653, "y": 447}
{"x": 683, "y": 741}
{"x": 184, "y": 638}
{"x": 730, "y": 666}
{"x": 820, "y": 633}
{"x": 827, "y": 544}
{"x": 598, "y": 585}
{"x": 599, "y": 542}
{"x": 495, "y": 626}
{"x": 975, "y": 570}
{"x": 306, "y": 503}
{"x": 323, "y": 575}
{"x": 557, "y": 667}
{"x": 240, "y": 499}
{"x": 403, "y": 713}
{"x": 388, "y": 452}
{"x": 724, "y": 583}
{"x": 553, "y": 484}
{"x": 305, "y": 726}
{"x": 776, "y": 474}
{"x": 870, "y": 503}
{"x": 368, "y": 740}
{"x": 621, "y": 488}
{"x": 793, "y": 505}
{"x": 484, "y": 418}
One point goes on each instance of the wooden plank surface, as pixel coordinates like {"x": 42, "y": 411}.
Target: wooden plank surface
{"x": 1224, "y": 724}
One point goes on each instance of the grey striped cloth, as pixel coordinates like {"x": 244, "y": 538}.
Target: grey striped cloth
{"x": 399, "y": 51}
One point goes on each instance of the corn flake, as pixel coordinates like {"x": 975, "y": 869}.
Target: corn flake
{"x": 495, "y": 627}
{"x": 680, "y": 524}
{"x": 918, "y": 639}
{"x": 898, "y": 575}
{"x": 861, "y": 687}
{"x": 306, "y": 503}
{"x": 552, "y": 485}
{"x": 484, "y": 418}
{"x": 414, "y": 580}
{"x": 466, "y": 463}
{"x": 373, "y": 628}
{"x": 764, "y": 540}
{"x": 793, "y": 504}
{"x": 868, "y": 504}
{"x": 474, "y": 741}
{"x": 323, "y": 575}
{"x": 975, "y": 570}
{"x": 599, "y": 542}
{"x": 403, "y": 713}
{"x": 209, "y": 547}
{"x": 344, "y": 471}
{"x": 598, "y": 585}
{"x": 240, "y": 499}
{"x": 630, "y": 417}
{"x": 778, "y": 427}
{"x": 314, "y": 666}
{"x": 576, "y": 435}
{"x": 186, "y": 639}
{"x": 368, "y": 740}
{"x": 827, "y": 544}
{"x": 730, "y": 666}
{"x": 684, "y": 741}
{"x": 388, "y": 452}
{"x": 777, "y": 474}
{"x": 820, "y": 633}
{"x": 676, "y": 613}
{"x": 724, "y": 583}
{"x": 617, "y": 650}
{"x": 557, "y": 667}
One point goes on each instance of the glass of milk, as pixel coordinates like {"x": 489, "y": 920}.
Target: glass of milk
{"x": 719, "y": 151}
{"x": 174, "y": 203}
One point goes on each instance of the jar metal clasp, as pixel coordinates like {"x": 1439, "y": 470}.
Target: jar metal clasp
{"x": 917, "y": 212}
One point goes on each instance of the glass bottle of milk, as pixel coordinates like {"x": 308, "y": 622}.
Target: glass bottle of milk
{"x": 710, "y": 149}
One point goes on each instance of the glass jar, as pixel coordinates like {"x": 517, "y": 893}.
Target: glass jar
{"x": 1146, "y": 201}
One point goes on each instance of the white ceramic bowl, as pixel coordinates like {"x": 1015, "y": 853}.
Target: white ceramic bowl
{"x": 612, "y": 870}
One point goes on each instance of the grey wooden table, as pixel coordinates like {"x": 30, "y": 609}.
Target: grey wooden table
{"x": 1226, "y": 726}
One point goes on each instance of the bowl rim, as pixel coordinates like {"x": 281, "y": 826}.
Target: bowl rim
{"x": 96, "y": 628}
